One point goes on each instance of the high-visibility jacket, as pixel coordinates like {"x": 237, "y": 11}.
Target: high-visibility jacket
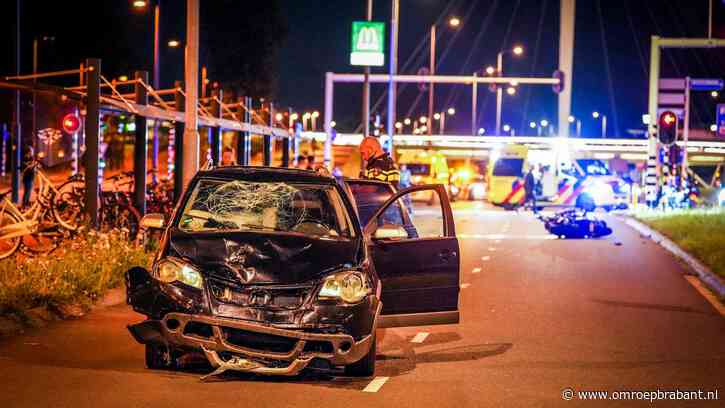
{"x": 382, "y": 168}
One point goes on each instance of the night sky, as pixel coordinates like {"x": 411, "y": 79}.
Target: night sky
{"x": 318, "y": 40}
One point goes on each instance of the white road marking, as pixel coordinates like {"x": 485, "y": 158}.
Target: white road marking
{"x": 420, "y": 337}
{"x": 498, "y": 237}
{"x": 465, "y": 285}
{"x": 705, "y": 292}
{"x": 375, "y": 384}
{"x": 492, "y": 249}
{"x": 476, "y": 270}
{"x": 498, "y": 241}
{"x": 486, "y": 258}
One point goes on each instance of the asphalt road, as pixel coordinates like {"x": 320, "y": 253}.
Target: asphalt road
{"x": 539, "y": 315}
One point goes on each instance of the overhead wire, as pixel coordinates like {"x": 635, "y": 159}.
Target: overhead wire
{"x": 416, "y": 56}
{"x": 542, "y": 17}
{"x": 610, "y": 81}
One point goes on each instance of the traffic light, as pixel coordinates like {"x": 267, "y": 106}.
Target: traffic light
{"x": 667, "y": 128}
{"x": 71, "y": 123}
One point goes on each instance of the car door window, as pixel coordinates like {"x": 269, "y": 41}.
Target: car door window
{"x": 370, "y": 196}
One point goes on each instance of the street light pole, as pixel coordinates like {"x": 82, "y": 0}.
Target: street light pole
{"x": 366, "y": 83}
{"x": 432, "y": 70}
{"x": 499, "y": 93}
{"x": 604, "y": 126}
{"x": 191, "y": 131}
{"x": 395, "y": 17}
{"x": 157, "y": 68}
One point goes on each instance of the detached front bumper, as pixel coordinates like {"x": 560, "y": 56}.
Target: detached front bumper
{"x": 263, "y": 349}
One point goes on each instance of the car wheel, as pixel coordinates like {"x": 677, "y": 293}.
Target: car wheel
{"x": 365, "y": 367}
{"x": 158, "y": 357}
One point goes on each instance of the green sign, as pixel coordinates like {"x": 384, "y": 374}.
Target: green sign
{"x": 368, "y": 43}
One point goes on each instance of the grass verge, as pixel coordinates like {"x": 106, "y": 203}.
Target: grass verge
{"x": 699, "y": 232}
{"x": 78, "y": 273}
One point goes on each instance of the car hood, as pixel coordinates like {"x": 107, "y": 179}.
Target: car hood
{"x": 263, "y": 258}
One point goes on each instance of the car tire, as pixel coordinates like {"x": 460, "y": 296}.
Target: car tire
{"x": 365, "y": 367}
{"x": 158, "y": 358}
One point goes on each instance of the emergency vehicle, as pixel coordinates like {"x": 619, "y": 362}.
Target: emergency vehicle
{"x": 581, "y": 182}
{"x": 505, "y": 176}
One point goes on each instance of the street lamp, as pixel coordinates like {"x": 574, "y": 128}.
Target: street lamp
{"x": 481, "y": 131}
{"x": 423, "y": 119}
{"x": 407, "y": 121}
{"x": 398, "y": 126}
{"x": 451, "y": 111}
{"x": 139, "y": 4}
{"x": 596, "y": 115}
{"x": 511, "y": 91}
{"x": 305, "y": 117}
{"x": 578, "y": 125}
{"x": 314, "y": 116}
{"x": 173, "y": 43}
{"x": 490, "y": 70}
{"x": 714, "y": 94}
{"x": 453, "y": 22}
{"x": 517, "y": 50}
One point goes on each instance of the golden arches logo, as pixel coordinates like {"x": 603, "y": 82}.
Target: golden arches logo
{"x": 367, "y": 39}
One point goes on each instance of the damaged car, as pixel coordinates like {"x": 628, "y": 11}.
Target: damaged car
{"x": 270, "y": 271}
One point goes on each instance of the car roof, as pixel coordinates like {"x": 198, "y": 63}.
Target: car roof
{"x": 260, "y": 173}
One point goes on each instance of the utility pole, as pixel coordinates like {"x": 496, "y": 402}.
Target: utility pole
{"x": 191, "y": 81}
{"x": 566, "y": 63}
{"x": 17, "y": 154}
{"x": 394, "y": 18}
{"x": 366, "y": 83}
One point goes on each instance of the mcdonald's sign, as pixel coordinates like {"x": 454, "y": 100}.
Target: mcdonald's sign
{"x": 368, "y": 43}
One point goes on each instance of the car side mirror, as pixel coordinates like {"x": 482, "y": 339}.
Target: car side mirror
{"x": 153, "y": 221}
{"x": 390, "y": 231}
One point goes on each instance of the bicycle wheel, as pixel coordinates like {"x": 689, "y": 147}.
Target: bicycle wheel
{"x": 8, "y": 246}
{"x": 123, "y": 218}
{"x": 45, "y": 239}
{"x": 69, "y": 205}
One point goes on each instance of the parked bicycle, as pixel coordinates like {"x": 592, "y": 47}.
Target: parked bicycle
{"x": 40, "y": 227}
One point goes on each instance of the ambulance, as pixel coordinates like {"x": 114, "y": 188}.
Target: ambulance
{"x": 505, "y": 176}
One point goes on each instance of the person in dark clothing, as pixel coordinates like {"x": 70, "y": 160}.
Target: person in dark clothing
{"x": 530, "y": 189}
{"x": 28, "y": 174}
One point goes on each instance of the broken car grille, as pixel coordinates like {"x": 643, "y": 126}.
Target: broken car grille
{"x": 282, "y": 297}
{"x": 258, "y": 341}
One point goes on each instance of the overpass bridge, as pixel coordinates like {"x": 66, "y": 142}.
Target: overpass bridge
{"x": 701, "y": 152}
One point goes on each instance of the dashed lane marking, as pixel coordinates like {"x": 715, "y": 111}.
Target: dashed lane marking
{"x": 705, "y": 292}
{"x": 476, "y": 270}
{"x": 375, "y": 384}
{"x": 420, "y": 337}
{"x": 486, "y": 258}
{"x": 465, "y": 285}
{"x": 492, "y": 249}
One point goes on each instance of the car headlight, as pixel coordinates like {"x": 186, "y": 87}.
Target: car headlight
{"x": 175, "y": 270}
{"x": 349, "y": 286}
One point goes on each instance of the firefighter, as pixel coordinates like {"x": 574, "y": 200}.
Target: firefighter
{"x": 377, "y": 163}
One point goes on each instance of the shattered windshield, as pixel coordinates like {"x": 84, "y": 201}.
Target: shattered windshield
{"x": 223, "y": 205}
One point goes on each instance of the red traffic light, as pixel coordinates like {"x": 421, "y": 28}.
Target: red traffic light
{"x": 71, "y": 123}
{"x": 668, "y": 119}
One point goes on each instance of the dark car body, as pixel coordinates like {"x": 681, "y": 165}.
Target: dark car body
{"x": 260, "y": 306}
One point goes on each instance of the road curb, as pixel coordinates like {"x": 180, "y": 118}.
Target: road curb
{"x": 712, "y": 281}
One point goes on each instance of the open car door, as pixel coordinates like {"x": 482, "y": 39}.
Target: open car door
{"x": 417, "y": 259}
